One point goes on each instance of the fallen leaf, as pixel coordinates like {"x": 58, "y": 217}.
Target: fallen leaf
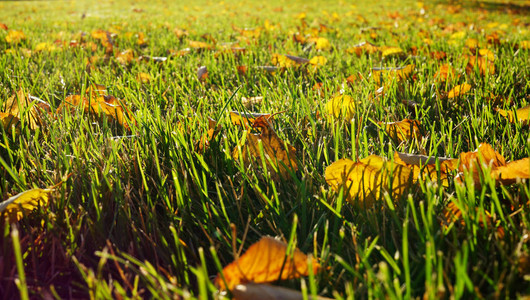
{"x": 20, "y": 205}
{"x": 365, "y": 181}
{"x": 512, "y": 172}
{"x": 522, "y": 114}
{"x": 389, "y": 74}
{"x": 246, "y": 119}
{"x": 364, "y": 47}
{"x": 483, "y": 65}
{"x": 446, "y": 73}
{"x": 318, "y": 61}
{"x": 202, "y": 73}
{"x": 342, "y": 106}
{"x": 143, "y": 77}
{"x": 389, "y": 51}
{"x": 402, "y": 131}
{"x": 125, "y": 57}
{"x": 200, "y": 45}
{"x": 15, "y": 36}
{"x": 253, "y": 291}
{"x": 459, "y": 90}
{"x": 22, "y": 107}
{"x": 266, "y": 261}
{"x": 101, "y": 105}
{"x": 280, "y": 159}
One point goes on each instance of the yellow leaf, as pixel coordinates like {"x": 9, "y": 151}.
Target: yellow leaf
{"x": 389, "y": 74}
{"x": 245, "y": 119}
{"x": 471, "y": 43}
{"x": 342, "y": 106}
{"x": 524, "y": 45}
{"x": 425, "y": 167}
{"x": 521, "y": 114}
{"x": 402, "y": 131}
{"x": 321, "y": 43}
{"x": 512, "y": 171}
{"x": 266, "y": 261}
{"x": 318, "y": 61}
{"x": 143, "y": 77}
{"x": 22, "y": 204}
{"x": 366, "y": 180}
{"x": 200, "y": 45}
{"x": 391, "y": 51}
{"x": 459, "y": 90}
{"x": 487, "y": 54}
{"x": 8, "y": 121}
{"x": 22, "y": 107}
{"x": 279, "y": 158}
{"x": 15, "y": 36}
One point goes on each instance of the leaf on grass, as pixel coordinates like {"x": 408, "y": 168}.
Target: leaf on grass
{"x": 389, "y": 51}
{"x": 512, "y": 172}
{"x": 20, "y": 205}
{"x": 266, "y": 261}
{"x": 15, "y": 36}
{"x": 483, "y": 65}
{"x": 522, "y": 115}
{"x": 253, "y": 291}
{"x": 125, "y": 57}
{"x": 204, "y": 142}
{"x": 342, "y": 106}
{"x": 246, "y": 119}
{"x": 446, "y": 73}
{"x": 459, "y": 90}
{"x": 200, "y": 45}
{"x": 485, "y": 155}
{"x": 100, "y": 104}
{"x": 22, "y": 107}
{"x": 389, "y": 74}
{"x": 425, "y": 166}
{"x": 318, "y": 61}
{"x": 402, "y": 131}
{"x": 366, "y": 180}
{"x": 321, "y": 44}
{"x": 278, "y": 156}
{"x": 364, "y": 47}
{"x": 202, "y": 73}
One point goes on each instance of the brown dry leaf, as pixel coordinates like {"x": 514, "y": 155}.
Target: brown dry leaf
{"x": 522, "y": 114}
{"x": 253, "y": 291}
{"x": 389, "y": 74}
{"x": 277, "y": 155}
{"x": 266, "y": 261}
{"x": 459, "y": 90}
{"x": 401, "y": 131}
{"x": 20, "y": 205}
{"x": 3, "y": 26}
{"x": 97, "y": 102}
{"x": 366, "y": 180}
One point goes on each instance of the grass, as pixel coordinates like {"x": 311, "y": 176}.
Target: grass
{"x": 144, "y": 214}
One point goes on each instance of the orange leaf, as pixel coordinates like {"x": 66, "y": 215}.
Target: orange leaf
{"x": 459, "y": 90}
{"x": 266, "y": 261}
{"x": 521, "y": 115}
{"x": 280, "y": 158}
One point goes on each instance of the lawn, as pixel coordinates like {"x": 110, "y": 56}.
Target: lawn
{"x": 371, "y": 149}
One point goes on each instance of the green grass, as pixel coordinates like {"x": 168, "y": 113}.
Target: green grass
{"x": 146, "y": 215}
